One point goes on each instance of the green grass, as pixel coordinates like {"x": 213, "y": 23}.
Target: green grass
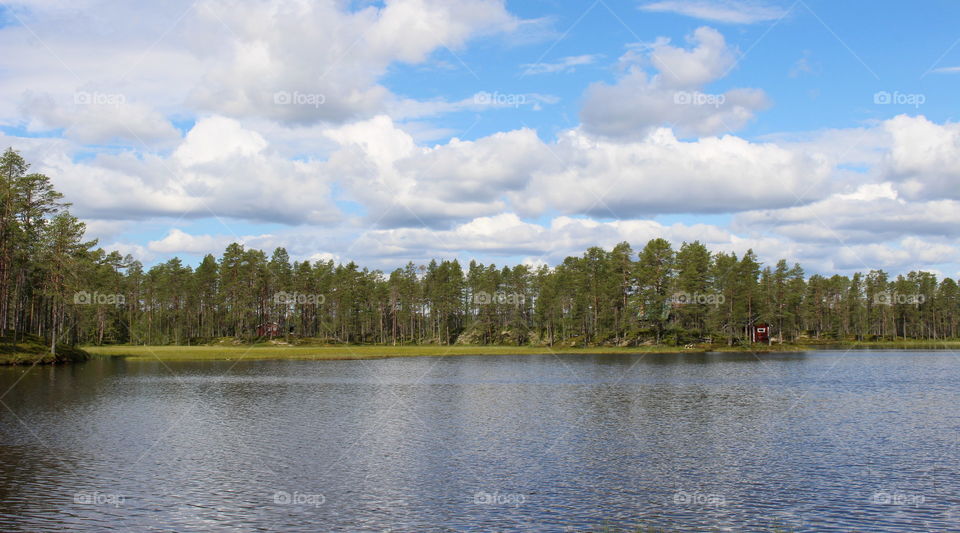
{"x": 30, "y": 349}
{"x": 911, "y": 344}
{"x": 232, "y": 350}
{"x": 952, "y": 344}
{"x": 264, "y": 351}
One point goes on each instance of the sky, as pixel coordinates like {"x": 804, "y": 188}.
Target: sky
{"x": 821, "y": 132}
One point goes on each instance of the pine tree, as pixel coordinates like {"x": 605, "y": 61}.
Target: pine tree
{"x": 655, "y": 274}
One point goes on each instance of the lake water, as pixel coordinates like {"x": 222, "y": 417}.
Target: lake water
{"x": 817, "y": 441}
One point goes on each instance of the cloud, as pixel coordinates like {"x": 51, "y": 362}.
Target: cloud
{"x": 507, "y": 234}
{"x": 725, "y": 11}
{"x": 138, "y": 252}
{"x": 661, "y": 174}
{"x": 103, "y": 230}
{"x": 294, "y": 62}
{"x": 306, "y": 62}
{"x": 98, "y": 51}
{"x": 95, "y": 117}
{"x": 908, "y": 254}
{"x": 924, "y": 159}
{"x": 872, "y": 213}
{"x": 639, "y": 102}
{"x": 403, "y": 184}
{"x": 804, "y": 66}
{"x": 217, "y": 139}
{"x": 324, "y": 256}
{"x": 507, "y": 237}
{"x": 708, "y": 60}
{"x": 480, "y": 101}
{"x": 179, "y": 242}
{"x": 565, "y": 64}
{"x": 220, "y": 169}
{"x": 496, "y": 237}
{"x": 477, "y": 196}
{"x": 253, "y": 171}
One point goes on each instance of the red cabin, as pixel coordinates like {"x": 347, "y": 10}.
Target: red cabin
{"x": 268, "y": 329}
{"x": 760, "y": 333}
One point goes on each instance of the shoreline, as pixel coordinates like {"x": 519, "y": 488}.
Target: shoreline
{"x": 266, "y": 351}
{"x": 29, "y": 350}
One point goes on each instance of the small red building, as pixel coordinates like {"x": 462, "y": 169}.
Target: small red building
{"x": 760, "y": 333}
{"x": 268, "y": 329}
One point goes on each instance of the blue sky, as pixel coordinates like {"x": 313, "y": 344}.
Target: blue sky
{"x": 820, "y": 64}
{"x": 385, "y": 132}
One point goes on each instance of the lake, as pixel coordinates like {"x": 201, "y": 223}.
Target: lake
{"x": 816, "y": 441}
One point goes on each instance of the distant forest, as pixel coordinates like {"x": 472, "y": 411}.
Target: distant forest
{"x": 56, "y": 285}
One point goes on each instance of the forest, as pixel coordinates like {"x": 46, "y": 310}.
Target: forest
{"x": 56, "y": 285}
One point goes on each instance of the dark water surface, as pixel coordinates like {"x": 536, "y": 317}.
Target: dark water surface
{"x": 820, "y": 441}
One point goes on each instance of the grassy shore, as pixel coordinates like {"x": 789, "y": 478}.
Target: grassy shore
{"x": 29, "y": 350}
{"x": 264, "y": 351}
{"x": 274, "y": 350}
{"x": 899, "y": 344}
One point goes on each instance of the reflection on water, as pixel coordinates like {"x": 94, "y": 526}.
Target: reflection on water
{"x": 799, "y": 441}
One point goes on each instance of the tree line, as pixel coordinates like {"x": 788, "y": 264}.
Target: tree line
{"x": 57, "y": 285}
